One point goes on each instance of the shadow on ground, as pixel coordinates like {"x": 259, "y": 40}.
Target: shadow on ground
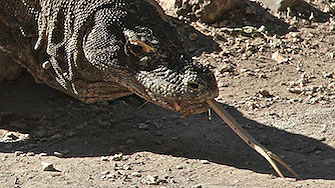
{"x": 252, "y": 14}
{"x": 105, "y": 129}
{"x": 305, "y": 10}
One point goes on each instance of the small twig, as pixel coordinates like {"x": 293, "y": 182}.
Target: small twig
{"x": 247, "y": 138}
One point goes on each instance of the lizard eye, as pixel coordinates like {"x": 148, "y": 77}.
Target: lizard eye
{"x": 138, "y": 46}
{"x": 136, "y": 49}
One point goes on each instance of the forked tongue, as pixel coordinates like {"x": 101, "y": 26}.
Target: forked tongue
{"x": 247, "y": 138}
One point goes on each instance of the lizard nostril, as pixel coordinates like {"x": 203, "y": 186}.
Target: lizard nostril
{"x": 193, "y": 85}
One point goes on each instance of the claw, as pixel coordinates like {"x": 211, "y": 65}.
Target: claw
{"x": 246, "y": 137}
{"x": 177, "y": 107}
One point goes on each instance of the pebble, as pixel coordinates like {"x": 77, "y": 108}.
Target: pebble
{"x": 110, "y": 176}
{"x": 291, "y": 83}
{"x": 328, "y": 75}
{"x": 30, "y": 154}
{"x": 142, "y": 126}
{"x": 203, "y": 161}
{"x": 197, "y": 186}
{"x": 332, "y": 55}
{"x": 264, "y": 93}
{"x": 104, "y": 158}
{"x": 180, "y": 167}
{"x": 302, "y": 82}
{"x": 279, "y": 58}
{"x": 105, "y": 172}
{"x": 48, "y": 166}
{"x": 4, "y": 158}
{"x": 151, "y": 180}
{"x": 10, "y": 136}
{"x": 58, "y": 154}
{"x": 117, "y": 157}
{"x": 43, "y": 154}
{"x": 18, "y": 153}
{"x": 295, "y": 90}
{"x": 136, "y": 174}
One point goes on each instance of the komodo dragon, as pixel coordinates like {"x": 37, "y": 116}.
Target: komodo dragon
{"x": 102, "y": 50}
{"x": 98, "y": 50}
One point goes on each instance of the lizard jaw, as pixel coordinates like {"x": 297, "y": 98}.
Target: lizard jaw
{"x": 185, "y": 107}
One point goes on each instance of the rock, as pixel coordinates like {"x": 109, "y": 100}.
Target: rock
{"x": 30, "y": 154}
{"x": 18, "y": 153}
{"x": 117, "y": 157}
{"x": 105, "y": 172}
{"x": 48, "y": 167}
{"x": 179, "y": 167}
{"x": 104, "y": 158}
{"x": 197, "y": 186}
{"x": 43, "y": 154}
{"x": 136, "y": 174}
{"x": 4, "y": 158}
{"x": 279, "y": 58}
{"x": 151, "y": 180}
{"x": 203, "y": 161}
{"x": 10, "y": 136}
{"x": 329, "y": 75}
{"x": 280, "y": 5}
{"x": 264, "y": 93}
{"x": 207, "y": 11}
{"x": 296, "y": 90}
{"x": 143, "y": 126}
{"x": 58, "y": 154}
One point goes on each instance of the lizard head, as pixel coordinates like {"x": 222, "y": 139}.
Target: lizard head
{"x": 145, "y": 54}
{"x": 167, "y": 76}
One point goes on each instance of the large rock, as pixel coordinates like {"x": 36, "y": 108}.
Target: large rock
{"x": 9, "y": 70}
{"x": 207, "y": 11}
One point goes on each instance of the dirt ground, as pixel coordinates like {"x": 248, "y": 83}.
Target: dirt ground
{"x": 276, "y": 77}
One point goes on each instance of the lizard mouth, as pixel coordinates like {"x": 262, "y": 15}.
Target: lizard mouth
{"x": 183, "y": 106}
{"x": 190, "y": 108}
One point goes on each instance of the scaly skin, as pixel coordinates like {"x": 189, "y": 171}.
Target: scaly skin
{"x": 103, "y": 50}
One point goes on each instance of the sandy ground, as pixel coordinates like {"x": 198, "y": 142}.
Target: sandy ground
{"x": 278, "y": 84}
